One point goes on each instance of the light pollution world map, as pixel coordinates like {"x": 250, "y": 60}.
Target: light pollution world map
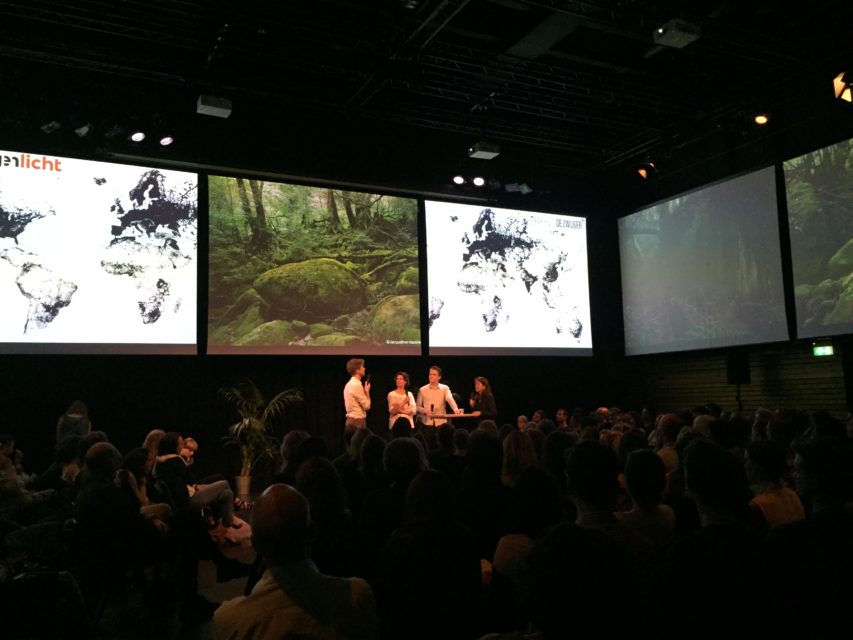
{"x": 506, "y": 279}
{"x": 92, "y": 252}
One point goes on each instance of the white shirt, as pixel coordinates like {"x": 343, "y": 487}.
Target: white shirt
{"x": 435, "y": 399}
{"x": 356, "y": 401}
{"x": 396, "y": 403}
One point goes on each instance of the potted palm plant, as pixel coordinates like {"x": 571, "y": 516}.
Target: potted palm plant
{"x": 253, "y": 433}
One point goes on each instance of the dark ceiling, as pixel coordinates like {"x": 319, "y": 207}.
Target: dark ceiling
{"x": 392, "y": 93}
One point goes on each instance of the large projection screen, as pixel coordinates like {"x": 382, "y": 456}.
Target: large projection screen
{"x": 96, "y": 257}
{"x": 503, "y": 281}
{"x": 819, "y": 190}
{"x": 311, "y": 270}
{"x": 704, "y": 270}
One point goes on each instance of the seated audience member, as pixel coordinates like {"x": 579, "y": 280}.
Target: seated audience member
{"x": 428, "y": 582}
{"x": 289, "y": 444}
{"x": 518, "y": 453}
{"x": 134, "y": 476}
{"x": 187, "y": 495}
{"x": 65, "y": 467}
{"x": 75, "y": 421}
{"x": 534, "y": 506}
{"x": 401, "y": 428}
{"x": 443, "y": 459}
{"x": 482, "y": 495}
{"x": 718, "y": 565}
{"x": 311, "y": 447}
{"x": 331, "y": 520}
{"x": 766, "y": 463}
{"x": 592, "y": 471}
{"x": 572, "y": 575}
{"x": 809, "y": 562}
{"x": 668, "y": 429}
{"x": 9, "y": 468}
{"x": 645, "y": 480}
{"x": 293, "y": 599}
{"x": 382, "y": 510}
{"x": 521, "y": 423}
{"x": 189, "y": 450}
{"x": 111, "y": 533}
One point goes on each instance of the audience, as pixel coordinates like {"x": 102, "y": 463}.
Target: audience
{"x": 293, "y": 598}
{"x": 589, "y": 526}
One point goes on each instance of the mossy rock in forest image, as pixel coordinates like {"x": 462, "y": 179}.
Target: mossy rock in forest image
{"x": 393, "y": 316}
{"x": 300, "y": 328}
{"x": 842, "y": 262}
{"x": 275, "y": 332}
{"x": 246, "y": 300}
{"x": 333, "y": 340}
{"x": 320, "y": 329}
{"x": 316, "y": 289}
{"x": 842, "y": 311}
{"x": 240, "y": 325}
{"x": 409, "y": 281}
{"x": 375, "y": 292}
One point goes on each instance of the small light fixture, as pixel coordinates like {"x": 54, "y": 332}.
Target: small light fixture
{"x": 84, "y": 130}
{"x": 165, "y": 141}
{"x": 843, "y": 87}
{"x": 137, "y": 136}
{"x": 646, "y": 169}
{"x": 761, "y": 119}
{"x": 460, "y": 180}
{"x": 50, "y": 127}
{"x": 479, "y": 181}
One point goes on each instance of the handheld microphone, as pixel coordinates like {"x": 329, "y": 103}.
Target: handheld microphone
{"x": 432, "y": 407}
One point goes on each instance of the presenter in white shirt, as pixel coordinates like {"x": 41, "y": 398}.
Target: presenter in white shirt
{"x": 401, "y": 402}
{"x": 434, "y": 399}
{"x": 356, "y": 396}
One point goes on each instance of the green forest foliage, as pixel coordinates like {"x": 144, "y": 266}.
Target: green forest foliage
{"x": 256, "y": 226}
{"x": 820, "y": 208}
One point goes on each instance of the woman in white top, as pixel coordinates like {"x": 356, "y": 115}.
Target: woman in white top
{"x": 401, "y": 402}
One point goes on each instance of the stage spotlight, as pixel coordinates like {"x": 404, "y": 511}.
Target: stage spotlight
{"x": 84, "y": 131}
{"x": 646, "y": 169}
{"x": 761, "y": 119}
{"x": 137, "y": 136}
{"x": 479, "y": 181}
{"x": 50, "y": 127}
{"x": 458, "y": 180}
{"x": 842, "y": 86}
{"x": 165, "y": 141}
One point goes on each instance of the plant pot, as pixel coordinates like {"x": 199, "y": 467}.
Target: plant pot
{"x": 244, "y": 487}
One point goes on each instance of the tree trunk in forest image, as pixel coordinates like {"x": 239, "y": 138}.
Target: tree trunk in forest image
{"x": 262, "y": 237}
{"x": 353, "y": 221}
{"x": 251, "y": 221}
{"x": 333, "y": 210}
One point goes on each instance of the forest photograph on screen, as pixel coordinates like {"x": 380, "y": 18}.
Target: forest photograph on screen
{"x": 819, "y": 188}
{"x": 298, "y": 268}
{"x": 703, "y": 270}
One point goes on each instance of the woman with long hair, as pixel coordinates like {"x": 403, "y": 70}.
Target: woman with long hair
{"x": 482, "y": 401}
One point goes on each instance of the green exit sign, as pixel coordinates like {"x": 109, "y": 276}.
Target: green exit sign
{"x": 823, "y": 350}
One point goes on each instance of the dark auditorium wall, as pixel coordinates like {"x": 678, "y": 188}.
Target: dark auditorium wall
{"x": 782, "y": 376}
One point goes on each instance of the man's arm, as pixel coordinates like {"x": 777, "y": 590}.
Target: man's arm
{"x": 448, "y": 398}
{"x": 362, "y": 396}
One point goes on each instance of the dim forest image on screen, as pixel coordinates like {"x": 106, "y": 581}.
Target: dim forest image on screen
{"x": 93, "y": 253}
{"x": 819, "y": 188}
{"x": 298, "y": 268}
{"x": 704, "y": 270}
